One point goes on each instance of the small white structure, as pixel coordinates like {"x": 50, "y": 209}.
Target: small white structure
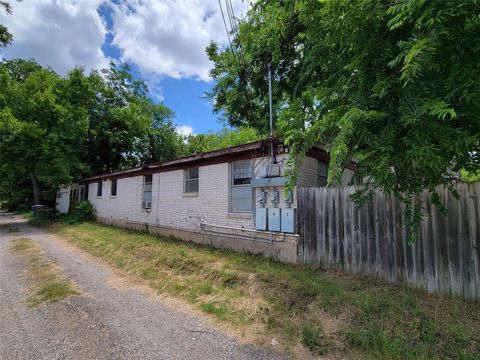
{"x": 233, "y": 197}
{"x": 63, "y": 200}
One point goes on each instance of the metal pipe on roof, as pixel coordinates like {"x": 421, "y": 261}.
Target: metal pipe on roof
{"x": 270, "y": 96}
{"x": 270, "y": 106}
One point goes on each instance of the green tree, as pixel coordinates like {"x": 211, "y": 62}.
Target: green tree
{"x": 221, "y": 139}
{"x": 161, "y": 142}
{"x": 125, "y": 127}
{"x": 470, "y": 177}
{"x": 54, "y": 130}
{"x": 40, "y": 139}
{"x": 394, "y": 85}
{"x": 5, "y": 36}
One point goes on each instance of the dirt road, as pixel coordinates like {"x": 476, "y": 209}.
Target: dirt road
{"x": 106, "y": 321}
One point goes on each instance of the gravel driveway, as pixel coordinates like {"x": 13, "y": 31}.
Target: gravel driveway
{"x": 106, "y": 321}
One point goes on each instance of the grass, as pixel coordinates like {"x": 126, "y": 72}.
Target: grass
{"x": 313, "y": 337}
{"x": 45, "y": 281}
{"x": 301, "y": 307}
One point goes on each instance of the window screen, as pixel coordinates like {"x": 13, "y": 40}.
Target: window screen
{"x": 322, "y": 173}
{"x": 113, "y": 189}
{"x": 241, "y": 198}
{"x": 147, "y": 192}
{"x": 191, "y": 180}
{"x": 99, "y": 188}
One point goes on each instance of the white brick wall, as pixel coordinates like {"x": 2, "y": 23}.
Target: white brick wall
{"x": 170, "y": 206}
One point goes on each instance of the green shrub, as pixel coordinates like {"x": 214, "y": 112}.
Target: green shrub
{"x": 23, "y": 208}
{"x": 84, "y": 211}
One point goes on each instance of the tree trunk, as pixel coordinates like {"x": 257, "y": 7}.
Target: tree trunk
{"x": 36, "y": 189}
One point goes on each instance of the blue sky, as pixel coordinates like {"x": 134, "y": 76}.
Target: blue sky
{"x": 163, "y": 40}
{"x": 186, "y": 98}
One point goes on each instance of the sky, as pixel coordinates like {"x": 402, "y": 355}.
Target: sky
{"x": 163, "y": 41}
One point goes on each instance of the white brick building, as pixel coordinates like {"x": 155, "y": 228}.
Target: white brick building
{"x": 219, "y": 187}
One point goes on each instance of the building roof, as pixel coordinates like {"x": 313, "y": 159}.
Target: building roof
{"x": 239, "y": 152}
{"x": 258, "y": 148}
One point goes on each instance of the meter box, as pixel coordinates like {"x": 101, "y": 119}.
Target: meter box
{"x": 288, "y": 220}
{"x": 274, "y": 219}
{"x": 261, "y": 218}
{"x": 288, "y": 197}
{"x": 261, "y": 197}
{"x": 273, "y": 197}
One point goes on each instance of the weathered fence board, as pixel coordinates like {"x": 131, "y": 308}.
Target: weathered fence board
{"x": 372, "y": 239}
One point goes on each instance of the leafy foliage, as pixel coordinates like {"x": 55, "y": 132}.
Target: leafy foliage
{"x": 84, "y": 211}
{"x": 470, "y": 176}
{"x": 220, "y": 140}
{"x": 392, "y": 85}
{"x": 5, "y": 36}
{"x": 57, "y": 129}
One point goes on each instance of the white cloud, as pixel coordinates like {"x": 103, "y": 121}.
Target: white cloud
{"x": 162, "y": 37}
{"x": 184, "y": 130}
{"x": 166, "y": 37}
{"x": 61, "y": 34}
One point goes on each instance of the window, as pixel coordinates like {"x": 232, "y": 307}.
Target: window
{"x": 86, "y": 192}
{"x": 191, "y": 181}
{"x": 240, "y": 187}
{"x": 99, "y": 188}
{"x": 322, "y": 173}
{"x": 147, "y": 192}
{"x": 356, "y": 179}
{"x": 113, "y": 188}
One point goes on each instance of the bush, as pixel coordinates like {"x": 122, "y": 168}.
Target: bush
{"x": 22, "y": 208}
{"x": 84, "y": 211}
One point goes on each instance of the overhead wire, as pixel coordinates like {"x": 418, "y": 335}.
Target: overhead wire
{"x": 228, "y": 35}
{"x": 236, "y": 49}
{"x": 235, "y": 29}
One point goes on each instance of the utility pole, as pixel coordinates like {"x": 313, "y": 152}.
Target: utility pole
{"x": 270, "y": 96}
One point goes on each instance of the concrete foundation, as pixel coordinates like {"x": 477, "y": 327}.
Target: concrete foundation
{"x": 280, "y": 246}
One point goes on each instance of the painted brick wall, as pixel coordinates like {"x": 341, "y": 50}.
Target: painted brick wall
{"x": 170, "y": 206}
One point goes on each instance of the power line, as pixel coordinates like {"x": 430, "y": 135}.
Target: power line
{"x": 235, "y": 30}
{"x": 228, "y": 35}
{"x": 236, "y": 49}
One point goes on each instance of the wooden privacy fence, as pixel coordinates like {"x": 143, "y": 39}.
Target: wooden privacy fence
{"x": 372, "y": 239}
